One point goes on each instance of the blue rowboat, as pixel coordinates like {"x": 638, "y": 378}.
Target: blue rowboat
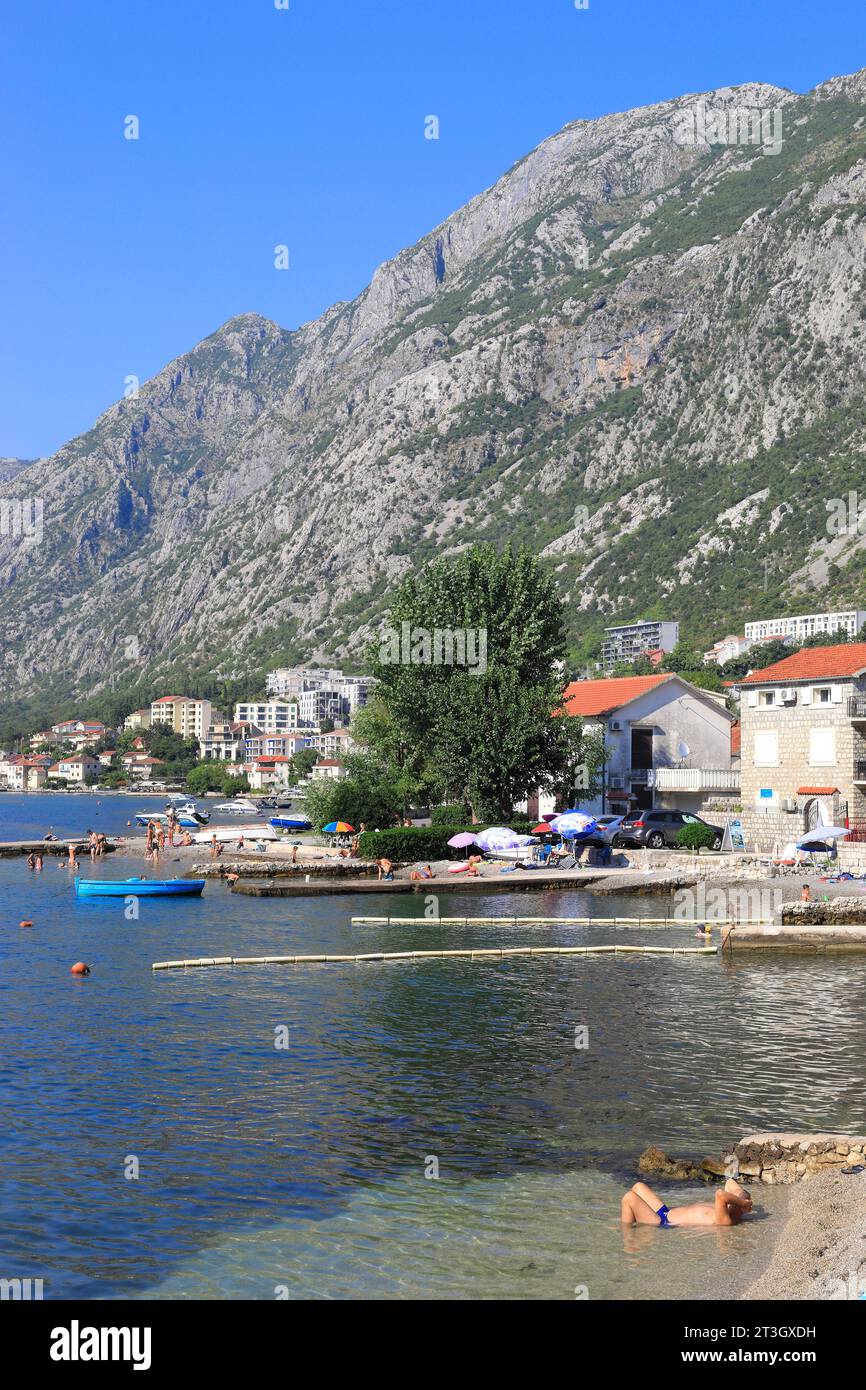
{"x": 290, "y": 823}
{"x": 137, "y": 887}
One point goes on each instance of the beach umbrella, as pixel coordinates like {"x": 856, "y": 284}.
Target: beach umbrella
{"x": 338, "y": 827}
{"x": 574, "y": 825}
{"x": 498, "y": 837}
{"x": 818, "y": 838}
{"x": 820, "y": 834}
{"x": 542, "y": 828}
{"x": 462, "y": 840}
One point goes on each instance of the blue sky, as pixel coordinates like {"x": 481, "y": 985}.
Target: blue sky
{"x": 305, "y": 127}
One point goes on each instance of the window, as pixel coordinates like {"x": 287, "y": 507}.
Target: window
{"x": 821, "y": 695}
{"x": 767, "y": 748}
{"x": 822, "y": 747}
{"x": 766, "y": 698}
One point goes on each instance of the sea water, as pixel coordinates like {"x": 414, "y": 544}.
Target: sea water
{"x": 404, "y": 1129}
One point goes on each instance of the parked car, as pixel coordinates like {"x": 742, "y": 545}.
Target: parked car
{"x": 656, "y": 829}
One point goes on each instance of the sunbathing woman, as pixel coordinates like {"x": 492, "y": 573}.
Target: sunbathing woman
{"x": 641, "y": 1207}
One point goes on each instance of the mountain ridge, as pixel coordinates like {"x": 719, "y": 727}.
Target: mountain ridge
{"x": 548, "y": 364}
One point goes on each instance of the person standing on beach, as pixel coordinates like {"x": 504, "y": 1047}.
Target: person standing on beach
{"x": 213, "y": 845}
{"x": 91, "y": 835}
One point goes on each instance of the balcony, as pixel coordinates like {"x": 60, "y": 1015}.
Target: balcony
{"x": 697, "y": 779}
{"x": 641, "y": 776}
{"x": 860, "y": 770}
{"x": 857, "y": 706}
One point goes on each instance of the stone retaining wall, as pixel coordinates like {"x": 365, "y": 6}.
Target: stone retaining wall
{"x": 835, "y": 912}
{"x": 786, "y": 1158}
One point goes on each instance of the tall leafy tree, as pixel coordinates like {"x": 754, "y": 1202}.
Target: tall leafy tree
{"x": 469, "y": 668}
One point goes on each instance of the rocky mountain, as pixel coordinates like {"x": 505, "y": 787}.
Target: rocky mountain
{"x": 641, "y": 352}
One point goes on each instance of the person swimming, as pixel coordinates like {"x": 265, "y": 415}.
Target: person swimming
{"x": 641, "y": 1207}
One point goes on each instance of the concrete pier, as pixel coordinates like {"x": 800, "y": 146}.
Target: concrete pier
{"x": 13, "y": 849}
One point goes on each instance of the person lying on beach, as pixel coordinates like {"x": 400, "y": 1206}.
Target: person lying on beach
{"x": 424, "y": 872}
{"x": 641, "y": 1207}
{"x": 473, "y": 869}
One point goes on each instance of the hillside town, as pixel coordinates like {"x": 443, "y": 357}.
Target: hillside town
{"x": 775, "y": 751}
{"x": 307, "y": 710}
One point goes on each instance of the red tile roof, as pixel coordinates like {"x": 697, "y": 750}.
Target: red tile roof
{"x": 816, "y": 791}
{"x": 602, "y": 697}
{"x": 813, "y": 663}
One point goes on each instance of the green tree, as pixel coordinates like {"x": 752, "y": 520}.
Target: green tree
{"x": 696, "y": 836}
{"x": 482, "y": 730}
{"x": 206, "y": 777}
{"x": 683, "y": 658}
{"x": 302, "y": 763}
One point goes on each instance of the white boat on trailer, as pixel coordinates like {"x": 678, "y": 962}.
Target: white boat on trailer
{"x": 226, "y": 834}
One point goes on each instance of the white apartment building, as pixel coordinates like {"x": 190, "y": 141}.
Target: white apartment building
{"x": 727, "y": 649}
{"x": 189, "y": 718}
{"x": 316, "y": 705}
{"x": 629, "y": 641}
{"x": 289, "y": 681}
{"x": 331, "y": 745}
{"x": 271, "y": 716}
{"x": 352, "y": 692}
{"x": 803, "y": 625}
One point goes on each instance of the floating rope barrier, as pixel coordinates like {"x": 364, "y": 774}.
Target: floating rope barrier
{"x": 468, "y": 953}
{"x": 510, "y": 921}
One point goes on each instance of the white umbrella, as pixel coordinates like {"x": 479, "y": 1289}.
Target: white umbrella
{"x": 573, "y": 825}
{"x": 820, "y": 834}
{"x": 499, "y": 837}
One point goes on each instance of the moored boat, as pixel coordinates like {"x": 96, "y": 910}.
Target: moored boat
{"x": 138, "y": 887}
{"x": 296, "y": 823}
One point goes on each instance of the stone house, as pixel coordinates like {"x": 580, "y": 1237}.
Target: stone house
{"x": 804, "y": 743}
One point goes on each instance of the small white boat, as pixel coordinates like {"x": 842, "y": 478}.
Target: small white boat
{"x": 241, "y": 807}
{"x": 227, "y": 834}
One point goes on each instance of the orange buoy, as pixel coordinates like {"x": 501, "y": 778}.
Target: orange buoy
{"x": 79, "y": 968}
{"x": 25, "y": 923}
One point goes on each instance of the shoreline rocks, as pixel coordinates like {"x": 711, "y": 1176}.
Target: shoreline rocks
{"x": 775, "y": 1158}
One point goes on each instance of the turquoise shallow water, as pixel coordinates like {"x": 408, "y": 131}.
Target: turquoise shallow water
{"x": 303, "y": 1170}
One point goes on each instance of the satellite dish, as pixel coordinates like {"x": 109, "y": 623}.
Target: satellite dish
{"x": 683, "y": 749}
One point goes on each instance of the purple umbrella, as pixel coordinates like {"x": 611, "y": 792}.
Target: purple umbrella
{"x": 463, "y": 840}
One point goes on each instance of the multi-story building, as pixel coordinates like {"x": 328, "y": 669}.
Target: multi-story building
{"x": 727, "y": 649}
{"x": 333, "y": 744}
{"x": 141, "y": 766}
{"x": 804, "y": 742}
{"x": 316, "y": 705}
{"x": 667, "y": 743}
{"x": 139, "y": 719}
{"x": 259, "y": 745}
{"x": 803, "y": 625}
{"x": 78, "y": 767}
{"x": 189, "y": 718}
{"x": 23, "y": 774}
{"x": 629, "y": 641}
{"x": 294, "y": 682}
{"x": 226, "y": 742}
{"x": 330, "y": 768}
{"x": 271, "y": 716}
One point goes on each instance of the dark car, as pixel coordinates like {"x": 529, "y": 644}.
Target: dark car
{"x": 657, "y": 829}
